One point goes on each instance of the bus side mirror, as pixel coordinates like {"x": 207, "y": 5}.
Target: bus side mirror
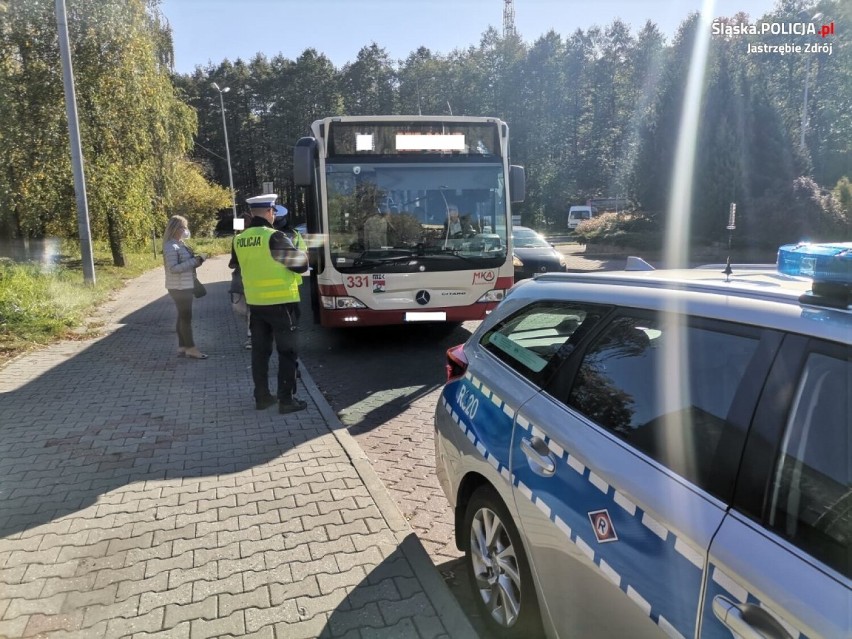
{"x": 303, "y": 161}
{"x": 517, "y": 183}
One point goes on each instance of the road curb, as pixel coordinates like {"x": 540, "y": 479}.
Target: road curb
{"x": 448, "y": 608}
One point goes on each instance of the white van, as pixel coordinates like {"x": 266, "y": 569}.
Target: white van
{"x": 577, "y": 214}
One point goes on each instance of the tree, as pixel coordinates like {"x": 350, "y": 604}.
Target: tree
{"x": 593, "y": 113}
{"x": 652, "y": 178}
{"x": 369, "y": 83}
{"x": 423, "y": 80}
{"x": 35, "y": 180}
{"x": 134, "y": 129}
{"x": 543, "y": 76}
{"x": 197, "y": 198}
{"x": 843, "y": 194}
{"x": 718, "y": 178}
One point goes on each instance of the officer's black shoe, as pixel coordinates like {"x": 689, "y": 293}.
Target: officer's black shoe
{"x": 265, "y": 402}
{"x": 294, "y": 405}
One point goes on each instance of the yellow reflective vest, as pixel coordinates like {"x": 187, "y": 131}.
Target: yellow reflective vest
{"x": 266, "y": 282}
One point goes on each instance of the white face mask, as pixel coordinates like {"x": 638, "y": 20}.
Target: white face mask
{"x": 186, "y": 234}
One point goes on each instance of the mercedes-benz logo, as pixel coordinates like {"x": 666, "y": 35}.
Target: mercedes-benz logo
{"x": 422, "y": 298}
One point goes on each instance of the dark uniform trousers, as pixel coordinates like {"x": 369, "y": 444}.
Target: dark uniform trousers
{"x": 275, "y": 323}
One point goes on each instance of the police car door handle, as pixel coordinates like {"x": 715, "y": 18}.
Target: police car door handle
{"x": 748, "y": 621}
{"x": 539, "y": 456}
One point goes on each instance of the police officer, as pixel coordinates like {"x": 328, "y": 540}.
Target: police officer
{"x": 270, "y": 266}
{"x": 282, "y": 223}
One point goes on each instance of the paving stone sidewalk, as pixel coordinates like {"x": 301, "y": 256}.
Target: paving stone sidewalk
{"x": 141, "y": 495}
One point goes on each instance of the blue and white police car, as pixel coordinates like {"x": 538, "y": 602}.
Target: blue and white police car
{"x": 663, "y": 453}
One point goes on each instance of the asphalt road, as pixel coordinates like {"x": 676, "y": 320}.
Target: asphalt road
{"x": 384, "y": 384}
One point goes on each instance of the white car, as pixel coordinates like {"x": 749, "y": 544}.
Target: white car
{"x": 577, "y": 214}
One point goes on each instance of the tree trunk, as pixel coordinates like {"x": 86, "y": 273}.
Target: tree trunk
{"x": 115, "y": 244}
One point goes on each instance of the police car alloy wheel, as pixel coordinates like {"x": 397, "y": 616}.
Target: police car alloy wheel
{"x": 497, "y": 567}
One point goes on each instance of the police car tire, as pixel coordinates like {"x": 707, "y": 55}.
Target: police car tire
{"x": 528, "y": 623}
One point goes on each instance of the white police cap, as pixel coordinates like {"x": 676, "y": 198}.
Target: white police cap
{"x": 262, "y": 201}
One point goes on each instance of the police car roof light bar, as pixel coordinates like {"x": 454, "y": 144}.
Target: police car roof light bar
{"x": 829, "y": 265}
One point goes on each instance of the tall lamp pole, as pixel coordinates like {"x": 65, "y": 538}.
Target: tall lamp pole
{"x": 227, "y": 148}
{"x": 76, "y": 147}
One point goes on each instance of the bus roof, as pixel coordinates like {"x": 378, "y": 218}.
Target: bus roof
{"x": 456, "y": 119}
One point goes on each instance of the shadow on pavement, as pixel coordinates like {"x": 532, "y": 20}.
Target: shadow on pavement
{"x": 455, "y": 574}
{"x": 389, "y": 601}
{"x": 125, "y": 410}
{"x": 134, "y": 483}
{"x": 373, "y": 374}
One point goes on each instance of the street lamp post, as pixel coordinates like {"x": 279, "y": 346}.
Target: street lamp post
{"x": 76, "y": 146}
{"x": 227, "y": 148}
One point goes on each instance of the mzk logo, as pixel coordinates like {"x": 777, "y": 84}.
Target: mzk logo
{"x": 379, "y": 283}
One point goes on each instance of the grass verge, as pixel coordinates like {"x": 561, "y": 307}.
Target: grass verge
{"x": 39, "y": 305}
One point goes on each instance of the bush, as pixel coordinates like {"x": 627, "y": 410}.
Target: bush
{"x": 800, "y": 212}
{"x": 40, "y": 304}
{"x": 843, "y": 196}
{"x": 36, "y": 305}
{"x": 620, "y": 229}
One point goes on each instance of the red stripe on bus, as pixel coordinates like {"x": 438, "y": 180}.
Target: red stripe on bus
{"x": 504, "y": 282}
{"x": 332, "y": 289}
{"x": 369, "y": 317}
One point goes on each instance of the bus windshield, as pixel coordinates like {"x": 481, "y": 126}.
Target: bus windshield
{"x": 415, "y": 217}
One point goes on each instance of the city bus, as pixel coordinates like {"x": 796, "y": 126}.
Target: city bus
{"x": 408, "y": 217}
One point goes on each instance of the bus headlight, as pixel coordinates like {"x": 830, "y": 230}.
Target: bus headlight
{"x": 494, "y": 295}
{"x": 331, "y": 303}
{"x": 349, "y": 302}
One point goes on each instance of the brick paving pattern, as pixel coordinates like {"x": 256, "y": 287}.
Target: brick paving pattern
{"x": 386, "y": 394}
{"x": 384, "y": 383}
{"x": 389, "y": 409}
{"x": 141, "y": 495}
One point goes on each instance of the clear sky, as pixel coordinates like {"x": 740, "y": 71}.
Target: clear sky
{"x": 212, "y": 30}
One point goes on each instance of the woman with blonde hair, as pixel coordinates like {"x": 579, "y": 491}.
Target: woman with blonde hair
{"x": 180, "y": 264}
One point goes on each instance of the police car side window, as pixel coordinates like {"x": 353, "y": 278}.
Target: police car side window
{"x": 811, "y": 499}
{"x": 666, "y": 387}
{"x": 532, "y": 340}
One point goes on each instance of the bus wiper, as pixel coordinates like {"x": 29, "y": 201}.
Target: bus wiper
{"x": 361, "y": 260}
{"x": 450, "y": 252}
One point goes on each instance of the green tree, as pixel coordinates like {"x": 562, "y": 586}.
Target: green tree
{"x": 134, "y": 129}
{"x": 843, "y": 193}
{"x": 719, "y": 154}
{"x": 423, "y": 81}
{"x": 197, "y": 198}
{"x": 36, "y": 174}
{"x": 543, "y": 76}
{"x": 651, "y": 182}
{"x": 593, "y": 113}
{"x": 369, "y": 83}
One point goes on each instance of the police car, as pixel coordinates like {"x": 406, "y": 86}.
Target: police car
{"x": 663, "y": 453}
